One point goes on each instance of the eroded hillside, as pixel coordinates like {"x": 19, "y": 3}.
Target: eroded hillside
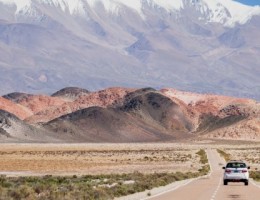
{"x": 126, "y": 115}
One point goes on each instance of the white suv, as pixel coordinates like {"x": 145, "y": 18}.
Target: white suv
{"x": 236, "y": 171}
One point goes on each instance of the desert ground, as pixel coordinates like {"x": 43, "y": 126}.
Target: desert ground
{"x": 81, "y": 159}
{"x": 125, "y": 171}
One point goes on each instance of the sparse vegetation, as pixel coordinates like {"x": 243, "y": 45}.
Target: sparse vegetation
{"x": 88, "y": 187}
{"x": 93, "y": 160}
{"x": 255, "y": 175}
{"x": 203, "y": 156}
{"x": 188, "y": 163}
{"x": 225, "y": 155}
{"x": 204, "y": 170}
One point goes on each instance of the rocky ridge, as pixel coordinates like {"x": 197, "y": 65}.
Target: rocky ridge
{"x": 128, "y": 115}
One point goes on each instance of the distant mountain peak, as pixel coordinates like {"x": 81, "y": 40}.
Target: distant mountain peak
{"x": 227, "y": 12}
{"x": 197, "y": 45}
{"x": 18, "y": 3}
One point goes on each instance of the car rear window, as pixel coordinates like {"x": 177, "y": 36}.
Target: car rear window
{"x": 236, "y": 165}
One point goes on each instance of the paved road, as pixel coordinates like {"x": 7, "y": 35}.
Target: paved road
{"x": 211, "y": 187}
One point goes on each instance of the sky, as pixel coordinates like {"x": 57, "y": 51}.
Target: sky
{"x": 250, "y": 2}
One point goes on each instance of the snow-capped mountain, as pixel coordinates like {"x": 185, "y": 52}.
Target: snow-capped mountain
{"x": 227, "y": 12}
{"x": 199, "y": 45}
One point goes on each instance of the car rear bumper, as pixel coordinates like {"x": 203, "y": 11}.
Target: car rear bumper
{"x": 236, "y": 180}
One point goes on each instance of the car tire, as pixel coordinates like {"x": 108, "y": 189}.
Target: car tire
{"x": 246, "y": 183}
{"x": 225, "y": 183}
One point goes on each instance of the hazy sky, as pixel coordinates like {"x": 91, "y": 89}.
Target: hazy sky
{"x": 250, "y": 2}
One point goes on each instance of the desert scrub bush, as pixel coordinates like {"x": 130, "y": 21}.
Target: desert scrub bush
{"x": 203, "y": 156}
{"x": 225, "y": 155}
{"x": 96, "y": 187}
{"x": 255, "y": 175}
{"x": 204, "y": 170}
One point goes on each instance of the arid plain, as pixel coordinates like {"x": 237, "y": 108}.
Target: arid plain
{"x": 82, "y": 159}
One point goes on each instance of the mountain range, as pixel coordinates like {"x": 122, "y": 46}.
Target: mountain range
{"x": 126, "y": 115}
{"x": 206, "y": 46}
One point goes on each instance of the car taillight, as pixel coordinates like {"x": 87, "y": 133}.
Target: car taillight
{"x": 228, "y": 171}
{"x": 244, "y": 171}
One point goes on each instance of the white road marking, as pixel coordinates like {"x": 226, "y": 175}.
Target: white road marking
{"x": 175, "y": 188}
{"x": 219, "y": 184}
{"x": 216, "y": 191}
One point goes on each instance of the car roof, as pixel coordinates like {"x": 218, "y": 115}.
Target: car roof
{"x": 235, "y": 161}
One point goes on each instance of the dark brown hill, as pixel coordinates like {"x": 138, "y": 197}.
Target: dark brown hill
{"x": 145, "y": 116}
{"x": 98, "y": 124}
{"x": 16, "y": 97}
{"x": 156, "y": 108}
{"x": 70, "y": 93}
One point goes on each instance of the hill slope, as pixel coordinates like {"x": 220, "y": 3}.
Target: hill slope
{"x": 127, "y": 115}
{"x": 13, "y": 129}
{"x": 144, "y": 116}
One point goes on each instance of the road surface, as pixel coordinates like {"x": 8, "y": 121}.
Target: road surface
{"x": 211, "y": 187}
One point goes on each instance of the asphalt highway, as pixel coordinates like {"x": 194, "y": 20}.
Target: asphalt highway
{"x": 211, "y": 187}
